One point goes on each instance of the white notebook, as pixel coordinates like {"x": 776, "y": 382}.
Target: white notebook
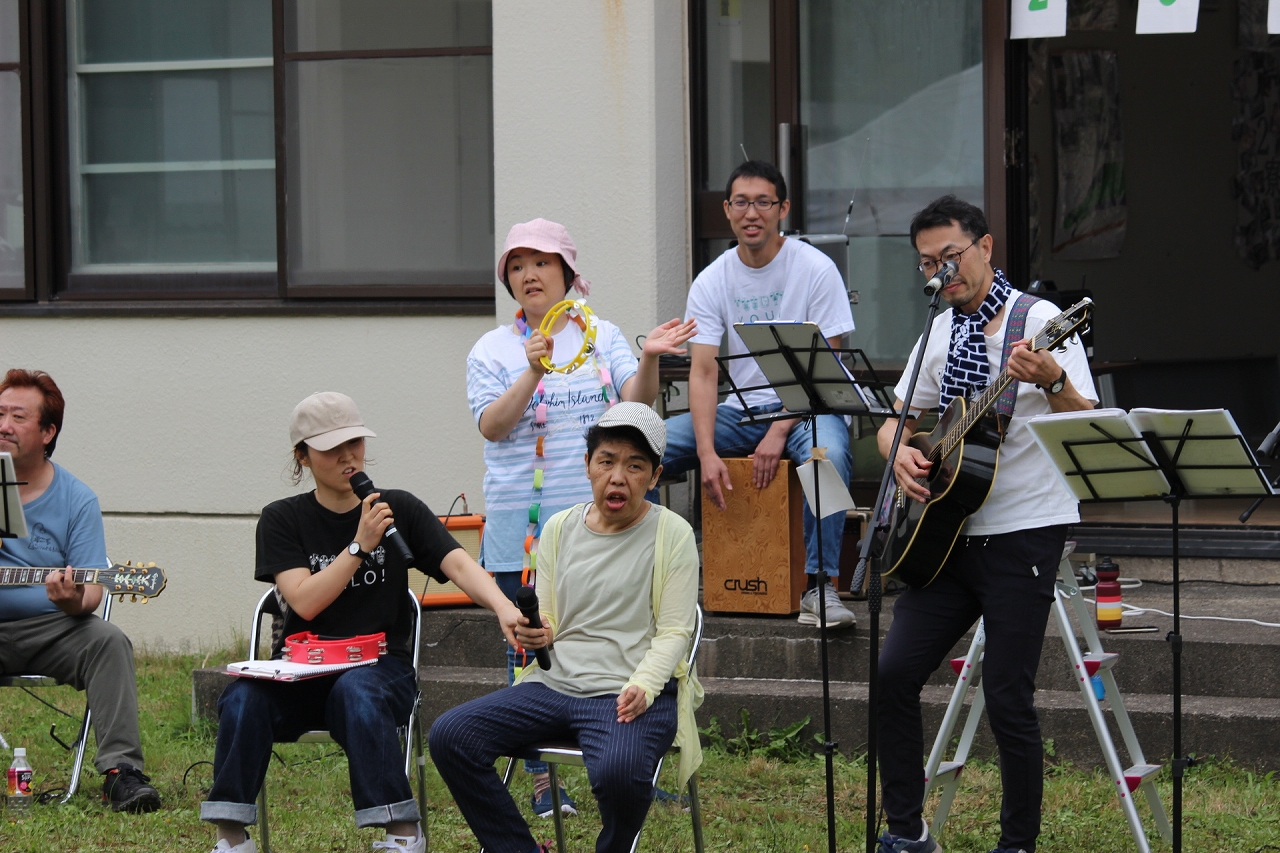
{"x": 283, "y": 670}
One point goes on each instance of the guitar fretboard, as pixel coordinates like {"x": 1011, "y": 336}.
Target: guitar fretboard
{"x": 20, "y": 575}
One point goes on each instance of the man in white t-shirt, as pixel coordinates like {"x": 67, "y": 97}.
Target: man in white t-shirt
{"x": 1004, "y": 563}
{"x": 766, "y": 277}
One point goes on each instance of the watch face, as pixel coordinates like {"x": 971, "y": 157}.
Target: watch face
{"x": 1058, "y": 385}
{"x": 354, "y": 549}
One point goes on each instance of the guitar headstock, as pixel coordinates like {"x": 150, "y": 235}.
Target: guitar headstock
{"x": 1056, "y": 331}
{"x": 138, "y": 580}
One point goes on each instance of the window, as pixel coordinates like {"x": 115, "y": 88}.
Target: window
{"x": 12, "y": 230}
{"x": 285, "y": 150}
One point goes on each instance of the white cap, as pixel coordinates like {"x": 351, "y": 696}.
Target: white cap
{"x": 640, "y": 417}
{"x": 19, "y": 752}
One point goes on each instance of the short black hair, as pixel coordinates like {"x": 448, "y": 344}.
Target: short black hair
{"x": 628, "y": 434}
{"x": 758, "y": 169}
{"x": 569, "y": 276}
{"x": 941, "y": 212}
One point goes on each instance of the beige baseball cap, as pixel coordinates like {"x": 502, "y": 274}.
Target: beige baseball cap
{"x": 326, "y": 419}
{"x": 641, "y": 417}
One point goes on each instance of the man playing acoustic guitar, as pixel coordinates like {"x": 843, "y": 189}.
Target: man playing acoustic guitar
{"x": 51, "y": 630}
{"x": 1004, "y": 562}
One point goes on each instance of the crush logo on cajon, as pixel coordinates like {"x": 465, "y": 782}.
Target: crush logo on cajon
{"x": 756, "y": 586}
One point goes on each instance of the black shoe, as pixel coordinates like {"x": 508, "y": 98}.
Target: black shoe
{"x": 127, "y": 789}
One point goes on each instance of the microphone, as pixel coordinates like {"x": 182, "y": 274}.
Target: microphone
{"x": 941, "y": 278}
{"x": 1268, "y": 446}
{"x": 527, "y": 601}
{"x": 363, "y": 487}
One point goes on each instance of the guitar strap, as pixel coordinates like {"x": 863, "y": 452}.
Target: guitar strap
{"x": 1014, "y": 326}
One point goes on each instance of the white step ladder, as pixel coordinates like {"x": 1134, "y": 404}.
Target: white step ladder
{"x": 1096, "y": 661}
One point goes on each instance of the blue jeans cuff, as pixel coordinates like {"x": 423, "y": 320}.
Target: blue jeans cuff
{"x": 406, "y": 810}
{"x": 245, "y": 813}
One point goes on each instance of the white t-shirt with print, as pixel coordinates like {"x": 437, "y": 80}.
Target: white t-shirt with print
{"x": 800, "y": 284}
{"x": 1026, "y": 493}
{"x": 574, "y": 403}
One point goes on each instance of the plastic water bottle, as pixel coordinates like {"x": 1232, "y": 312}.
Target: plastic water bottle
{"x": 1107, "y": 594}
{"x": 18, "y": 792}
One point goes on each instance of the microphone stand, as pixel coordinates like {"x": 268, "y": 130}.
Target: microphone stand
{"x": 866, "y": 562}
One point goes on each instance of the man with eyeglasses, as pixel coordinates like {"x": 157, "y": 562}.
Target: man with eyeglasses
{"x": 1004, "y": 564}
{"x": 766, "y": 277}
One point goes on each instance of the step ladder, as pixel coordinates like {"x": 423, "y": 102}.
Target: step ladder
{"x": 1095, "y": 661}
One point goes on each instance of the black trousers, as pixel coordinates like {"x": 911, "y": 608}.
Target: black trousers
{"x": 1007, "y": 579}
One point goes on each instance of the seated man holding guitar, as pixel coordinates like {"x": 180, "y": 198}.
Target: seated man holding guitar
{"x": 970, "y": 547}
{"x": 51, "y": 630}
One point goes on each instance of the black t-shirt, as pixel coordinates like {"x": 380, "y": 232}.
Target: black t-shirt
{"x": 298, "y": 532}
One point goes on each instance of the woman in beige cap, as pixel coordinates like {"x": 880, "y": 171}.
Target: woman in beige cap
{"x": 335, "y": 577}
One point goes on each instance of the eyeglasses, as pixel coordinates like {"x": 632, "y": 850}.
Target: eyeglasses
{"x": 762, "y": 204}
{"x": 929, "y": 267}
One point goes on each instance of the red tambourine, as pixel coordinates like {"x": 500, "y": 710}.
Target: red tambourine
{"x": 306, "y": 647}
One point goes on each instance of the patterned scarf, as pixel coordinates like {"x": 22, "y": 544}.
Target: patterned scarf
{"x": 967, "y": 371}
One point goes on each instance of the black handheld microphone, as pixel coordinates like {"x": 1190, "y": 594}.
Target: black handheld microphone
{"x": 527, "y": 601}
{"x": 941, "y": 278}
{"x": 1268, "y": 446}
{"x": 363, "y": 487}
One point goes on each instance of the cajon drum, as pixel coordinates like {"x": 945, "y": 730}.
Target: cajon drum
{"x": 753, "y": 552}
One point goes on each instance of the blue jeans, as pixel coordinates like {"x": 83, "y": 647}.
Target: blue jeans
{"x": 361, "y": 708}
{"x": 620, "y": 758}
{"x": 737, "y": 439}
{"x": 509, "y": 583}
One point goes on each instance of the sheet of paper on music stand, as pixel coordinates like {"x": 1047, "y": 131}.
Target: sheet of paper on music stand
{"x": 833, "y": 382}
{"x": 1050, "y": 431}
{"x": 834, "y": 495}
{"x": 1241, "y": 478}
{"x": 15, "y": 524}
{"x": 1273, "y": 17}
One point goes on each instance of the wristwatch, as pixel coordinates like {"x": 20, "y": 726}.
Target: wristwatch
{"x": 1058, "y": 384}
{"x": 355, "y": 550}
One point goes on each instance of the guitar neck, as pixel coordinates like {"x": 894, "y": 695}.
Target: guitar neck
{"x": 973, "y": 413}
{"x": 24, "y": 575}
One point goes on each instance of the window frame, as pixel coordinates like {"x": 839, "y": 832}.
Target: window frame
{"x": 52, "y": 288}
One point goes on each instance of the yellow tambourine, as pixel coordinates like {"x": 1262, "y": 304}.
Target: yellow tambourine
{"x": 579, "y": 312}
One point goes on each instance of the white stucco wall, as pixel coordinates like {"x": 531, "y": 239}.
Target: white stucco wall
{"x": 180, "y": 425}
{"x": 589, "y": 124}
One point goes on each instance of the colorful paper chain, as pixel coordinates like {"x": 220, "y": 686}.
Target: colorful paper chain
{"x": 579, "y": 312}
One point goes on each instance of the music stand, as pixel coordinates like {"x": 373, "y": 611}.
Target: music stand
{"x": 806, "y": 373}
{"x": 13, "y": 522}
{"x": 1153, "y": 454}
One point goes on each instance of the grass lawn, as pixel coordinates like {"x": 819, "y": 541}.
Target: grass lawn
{"x": 749, "y": 803}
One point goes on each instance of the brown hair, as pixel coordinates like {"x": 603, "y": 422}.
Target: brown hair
{"x": 53, "y": 406}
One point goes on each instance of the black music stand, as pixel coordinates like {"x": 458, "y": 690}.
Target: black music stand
{"x": 807, "y": 375}
{"x": 1212, "y": 461}
{"x": 13, "y": 523}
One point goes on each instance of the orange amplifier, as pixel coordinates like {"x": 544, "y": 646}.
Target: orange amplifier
{"x": 468, "y": 529}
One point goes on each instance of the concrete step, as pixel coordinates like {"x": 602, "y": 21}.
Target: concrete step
{"x": 1219, "y": 658}
{"x": 1242, "y": 728}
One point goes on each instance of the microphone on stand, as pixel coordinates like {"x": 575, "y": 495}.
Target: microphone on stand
{"x": 363, "y": 487}
{"x": 527, "y": 601}
{"x": 941, "y": 278}
{"x": 1268, "y": 446}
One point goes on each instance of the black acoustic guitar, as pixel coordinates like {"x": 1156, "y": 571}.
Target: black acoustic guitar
{"x": 964, "y": 448}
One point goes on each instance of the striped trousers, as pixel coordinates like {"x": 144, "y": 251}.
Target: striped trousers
{"x": 620, "y": 758}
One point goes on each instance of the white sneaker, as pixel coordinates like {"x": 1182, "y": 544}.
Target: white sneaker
{"x": 403, "y": 844}
{"x": 838, "y": 616}
{"x": 246, "y": 846}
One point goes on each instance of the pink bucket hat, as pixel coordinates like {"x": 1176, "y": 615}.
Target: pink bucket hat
{"x": 543, "y": 235}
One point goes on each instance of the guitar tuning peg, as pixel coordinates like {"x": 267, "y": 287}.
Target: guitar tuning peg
{"x": 133, "y": 598}
{"x": 145, "y": 600}
{"x": 120, "y": 598}
{"x": 151, "y": 565}
{"x": 128, "y": 562}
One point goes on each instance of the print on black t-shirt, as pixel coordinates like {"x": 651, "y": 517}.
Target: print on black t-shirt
{"x": 298, "y": 532}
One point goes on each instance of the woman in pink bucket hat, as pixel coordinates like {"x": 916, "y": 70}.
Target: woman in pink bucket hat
{"x": 534, "y": 420}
